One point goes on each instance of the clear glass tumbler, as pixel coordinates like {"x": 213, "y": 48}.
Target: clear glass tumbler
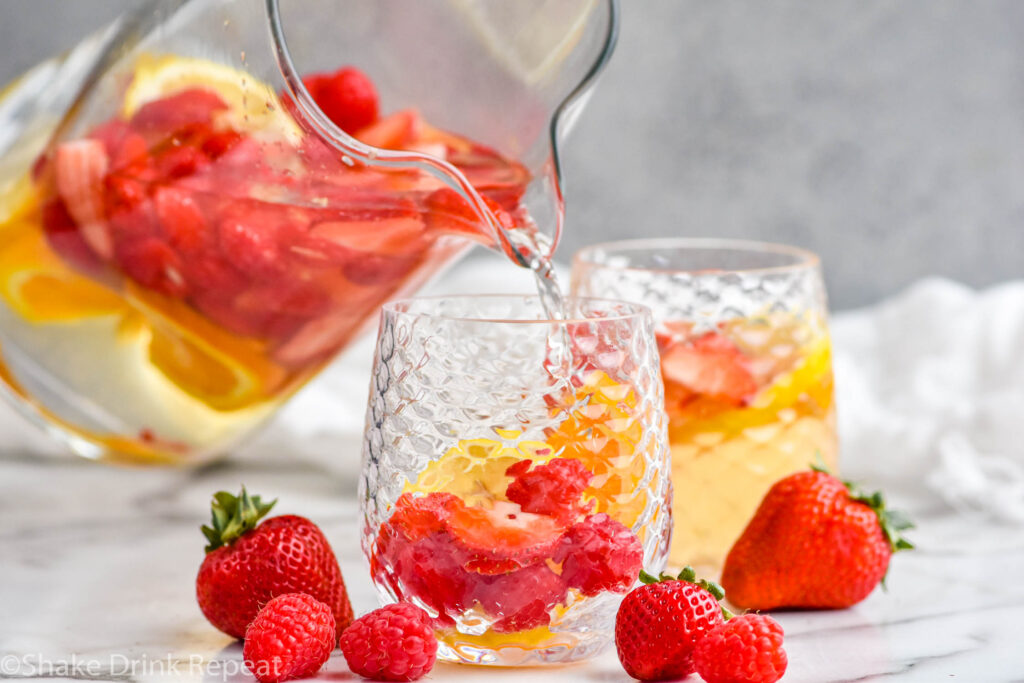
{"x": 515, "y": 471}
{"x": 746, "y": 362}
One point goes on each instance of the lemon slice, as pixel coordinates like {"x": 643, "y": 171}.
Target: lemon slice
{"x": 253, "y": 105}
{"x": 531, "y": 38}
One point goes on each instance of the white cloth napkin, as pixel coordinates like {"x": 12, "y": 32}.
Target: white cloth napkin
{"x": 930, "y": 394}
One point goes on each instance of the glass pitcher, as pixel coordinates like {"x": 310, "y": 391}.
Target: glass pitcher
{"x": 202, "y": 204}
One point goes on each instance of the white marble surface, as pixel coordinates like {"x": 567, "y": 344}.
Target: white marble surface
{"x": 97, "y": 567}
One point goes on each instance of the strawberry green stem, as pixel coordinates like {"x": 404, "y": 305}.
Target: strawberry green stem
{"x": 233, "y": 516}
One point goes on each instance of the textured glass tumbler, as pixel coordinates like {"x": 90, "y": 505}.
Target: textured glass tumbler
{"x": 746, "y": 362}
{"x": 515, "y": 471}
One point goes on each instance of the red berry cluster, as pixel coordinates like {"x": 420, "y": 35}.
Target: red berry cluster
{"x": 515, "y": 560}
{"x": 278, "y": 241}
{"x": 674, "y": 626}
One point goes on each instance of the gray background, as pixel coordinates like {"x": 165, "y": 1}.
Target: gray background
{"x": 888, "y": 135}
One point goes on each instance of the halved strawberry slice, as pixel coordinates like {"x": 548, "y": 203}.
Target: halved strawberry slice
{"x": 710, "y": 365}
{"x": 448, "y": 212}
{"x": 386, "y": 233}
{"x": 171, "y": 113}
{"x": 80, "y": 167}
{"x": 318, "y": 338}
{"x": 395, "y": 131}
{"x": 503, "y": 538}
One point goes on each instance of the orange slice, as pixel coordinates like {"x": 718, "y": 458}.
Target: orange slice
{"x": 203, "y": 360}
{"x": 41, "y": 289}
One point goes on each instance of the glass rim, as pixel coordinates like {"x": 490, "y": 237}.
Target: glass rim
{"x": 634, "y": 310}
{"x": 803, "y": 259}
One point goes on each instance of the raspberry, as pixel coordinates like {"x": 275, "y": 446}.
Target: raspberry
{"x": 154, "y": 265}
{"x": 249, "y": 240}
{"x": 291, "y": 637}
{"x": 181, "y": 220}
{"x": 552, "y": 489}
{"x": 600, "y": 554}
{"x": 520, "y": 600}
{"x": 393, "y": 643}
{"x": 419, "y": 516}
{"x": 745, "y": 649}
{"x": 347, "y": 96}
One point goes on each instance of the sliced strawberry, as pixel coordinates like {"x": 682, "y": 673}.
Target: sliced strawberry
{"x": 218, "y": 144}
{"x": 182, "y": 221}
{"x": 318, "y": 339}
{"x": 299, "y": 298}
{"x": 179, "y": 162}
{"x": 167, "y": 114}
{"x": 211, "y": 272}
{"x": 710, "y": 365}
{"x": 154, "y": 265}
{"x": 80, "y": 167}
{"x": 384, "y": 235}
{"x": 495, "y": 538}
{"x": 347, "y": 96}
{"x": 64, "y": 237}
{"x": 396, "y": 131}
{"x": 448, "y": 212}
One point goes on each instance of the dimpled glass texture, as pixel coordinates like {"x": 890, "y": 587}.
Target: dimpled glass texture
{"x": 744, "y": 345}
{"x": 464, "y": 388}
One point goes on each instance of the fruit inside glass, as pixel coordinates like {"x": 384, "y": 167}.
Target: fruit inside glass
{"x": 511, "y": 486}
{"x": 746, "y": 362}
{"x": 200, "y": 206}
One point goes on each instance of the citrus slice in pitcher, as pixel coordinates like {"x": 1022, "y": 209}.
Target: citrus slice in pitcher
{"x": 203, "y": 360}
{"x": 252, "y": 105}
{"x": 36, "y": 284}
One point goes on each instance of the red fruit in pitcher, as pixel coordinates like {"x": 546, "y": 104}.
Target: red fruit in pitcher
{"x": 291, "y": 637}
{"x": 554, "y": 488}
{"x": 64, "y": 238}
{"x": 347, "y": 96}
{"x": 79, "y": 168}
{"x": 660, "y": 623}
{"x": 710, "y": 365}
{"x": 249, "y": 239}
{"x": 396, "y": 131}
{"x": 154, "y": 265}
{"x": 247, "y": 563}
{"x": 447, "y": 211}
{"x": 815, "y": 542}
{"x": 600, "y": 554}
{"x": 182, "y": 221}
{"x": 745, "y": 649}
{"x": 178, "y": 111}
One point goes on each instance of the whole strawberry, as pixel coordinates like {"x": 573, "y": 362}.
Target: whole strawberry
{"x": 393, "y": 643}
{"x": 246, "y": 565}
{"x": 815, "y": 542}
{"x": 745, "y": 649}
{"x": 291, "y": 637}
{"x": 660, "y": 623}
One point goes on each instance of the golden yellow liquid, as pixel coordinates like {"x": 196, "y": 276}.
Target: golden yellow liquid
{"x": 725, "y": 458}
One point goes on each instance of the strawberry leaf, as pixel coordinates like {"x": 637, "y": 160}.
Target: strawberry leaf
{"x": 232, "y": 517}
